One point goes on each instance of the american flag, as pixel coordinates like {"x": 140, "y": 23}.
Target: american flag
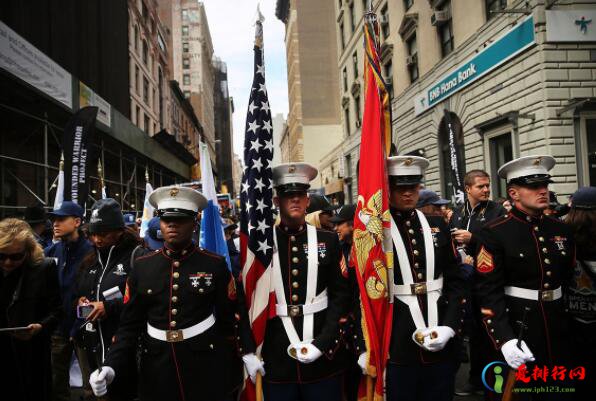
{"x": 256, "y": 199}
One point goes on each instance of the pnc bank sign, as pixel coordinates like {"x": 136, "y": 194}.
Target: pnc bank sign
{"x": 500, "y": 51}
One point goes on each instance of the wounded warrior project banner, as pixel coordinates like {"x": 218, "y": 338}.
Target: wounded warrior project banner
{"x": 77, "y": 143}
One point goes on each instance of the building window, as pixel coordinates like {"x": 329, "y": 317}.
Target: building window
{"x": 351, "y": 18}
{"x": 446, "y": 160}
{"x": 588, "y": 150}
{"x": 498, "y": 150}
{"x": 186, "y": 94}
{"x": 347, "y": 119}
{"x": 355, "y": 65}
{"x": 186, "y": 79}
{"x": 388, "y": 76}
{"x": 147, "y": 125}
{"x": 357, "y": 109}
{"x": 445, "y": 29}
{"x": 342, "y": 38}
{"x": 185, "y": 47}
{"x": 345, "y": 79}
{"x": 145, "y": 90}
{"x": 138, "y": 116}
{"x": 136, "y": 38}
{"x": 384, "y": 19}
{"x": 494, "y": 5}
{"x": 137, "y": 81}
{"x": 349, "y": 187}
{"x": 412, "y": 60}
{"x": 186, "y": 63}
{"x": 184, "y": 15}
{"x": 145, "y": 52}
{"x": 408, "y": 4}
{"x": 184, "y": 30}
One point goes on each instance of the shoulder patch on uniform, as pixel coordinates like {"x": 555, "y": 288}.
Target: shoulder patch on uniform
{"x": 126, "y": 294}
{"x": 484, "y": 261}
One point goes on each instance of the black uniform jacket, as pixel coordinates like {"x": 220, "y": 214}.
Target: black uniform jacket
{"x": 35, "y": 299}
{"x": 535, "y": 253}
{"x": 176, "y": 290}
{"x": 110, "y": 274}
{"x": 472, "y": 219}
{"x": 328, "y": 335}
{"x": 402, "y": 349}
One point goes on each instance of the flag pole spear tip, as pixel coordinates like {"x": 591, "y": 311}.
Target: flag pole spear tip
{"x": 147, "y": 174}
{"x": 61, "y": 165}
{"x": 259, "y": 27}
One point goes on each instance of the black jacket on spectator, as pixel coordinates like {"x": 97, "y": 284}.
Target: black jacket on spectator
{"x": 28, "y": 295}
{"x": 472, "y": 219}
{"x": 109, "y": 273}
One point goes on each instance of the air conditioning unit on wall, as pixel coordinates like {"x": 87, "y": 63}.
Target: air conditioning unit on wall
{"x": 440, "y": 17}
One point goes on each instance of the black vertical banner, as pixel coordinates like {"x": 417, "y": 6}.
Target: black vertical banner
{"x": 78, "y": 145}
{"x": 456, "y": 177}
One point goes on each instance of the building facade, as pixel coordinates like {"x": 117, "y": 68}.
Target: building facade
{"x": 35, "y": 106}
{"x": 224, "y": 138}
{"x": 314, "y": 121}
{"x": 514, "y": 78}
{"x": 148, "y": 67}
{"x": 191, "y": 59}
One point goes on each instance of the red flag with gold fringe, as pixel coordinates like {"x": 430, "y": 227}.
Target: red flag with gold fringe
{"x": 372, "y": 249}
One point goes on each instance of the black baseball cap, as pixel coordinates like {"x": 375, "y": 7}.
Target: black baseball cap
{"x": 345, "y": 213}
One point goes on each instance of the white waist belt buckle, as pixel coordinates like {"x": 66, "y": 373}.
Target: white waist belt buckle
{"x": 173, "y": 336}
{"x": 534, "y": 295}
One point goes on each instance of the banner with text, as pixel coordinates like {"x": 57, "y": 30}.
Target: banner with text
{"x": 501, "y": 50}
{"x": 26, "y": 62}
{"x": 79, "y": 133}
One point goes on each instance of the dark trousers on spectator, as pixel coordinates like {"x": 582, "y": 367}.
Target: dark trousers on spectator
{"x": 62, "y": 349}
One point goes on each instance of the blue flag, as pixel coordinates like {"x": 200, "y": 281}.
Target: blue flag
{"x": 212, "y": 235}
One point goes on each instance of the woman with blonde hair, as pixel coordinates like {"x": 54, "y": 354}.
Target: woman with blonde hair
{"x": 30, "y": 309}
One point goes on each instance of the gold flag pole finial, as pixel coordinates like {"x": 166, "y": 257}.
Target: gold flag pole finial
{"x": 61, "y": 165}
{"x": 147, "y": 174}
{"x": 259, "y": 27}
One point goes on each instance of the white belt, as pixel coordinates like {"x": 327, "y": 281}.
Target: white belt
{"x": 418, "y": 288}
{"x": 320, "y": 303}
{"x": 172, "y": 336}
{"x": 534, "y": 295}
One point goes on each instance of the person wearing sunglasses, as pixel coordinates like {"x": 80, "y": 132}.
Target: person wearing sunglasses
{"x": 30, "y": 309}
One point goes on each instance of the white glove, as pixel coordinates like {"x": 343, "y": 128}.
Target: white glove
{"x": 99, "y": 380}
{"x": 514, "y": 356}
{"x": 253, "y": 365}
{"x": 312, "y": 353}
{"x": 363, "y": 362}
{"x": 435, "y": 338}
{"x": 443, "y": 335}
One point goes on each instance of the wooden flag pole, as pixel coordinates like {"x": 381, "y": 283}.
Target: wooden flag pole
{"x": 370, "y": 388}
{"x": 259, "y": 387}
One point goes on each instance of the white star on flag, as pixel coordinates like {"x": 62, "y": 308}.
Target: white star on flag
{"x": 262, "y": 226}
{"x": 267, "y": 126}
{"x": 261, "y": 205}
{"x": 259, "y": 184}
{"x": 269, "y": 145}
{"x": 255, "y": 145}
{"x": 262, "y": 88}
{"x": 257, "y": 164}
{"x": 252, "y": 107}
{"x": 263, "y": 246}
{"x": 261, "y": 70}
{"x": 253, "y": 126}
{"x": 265, "y": 106}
